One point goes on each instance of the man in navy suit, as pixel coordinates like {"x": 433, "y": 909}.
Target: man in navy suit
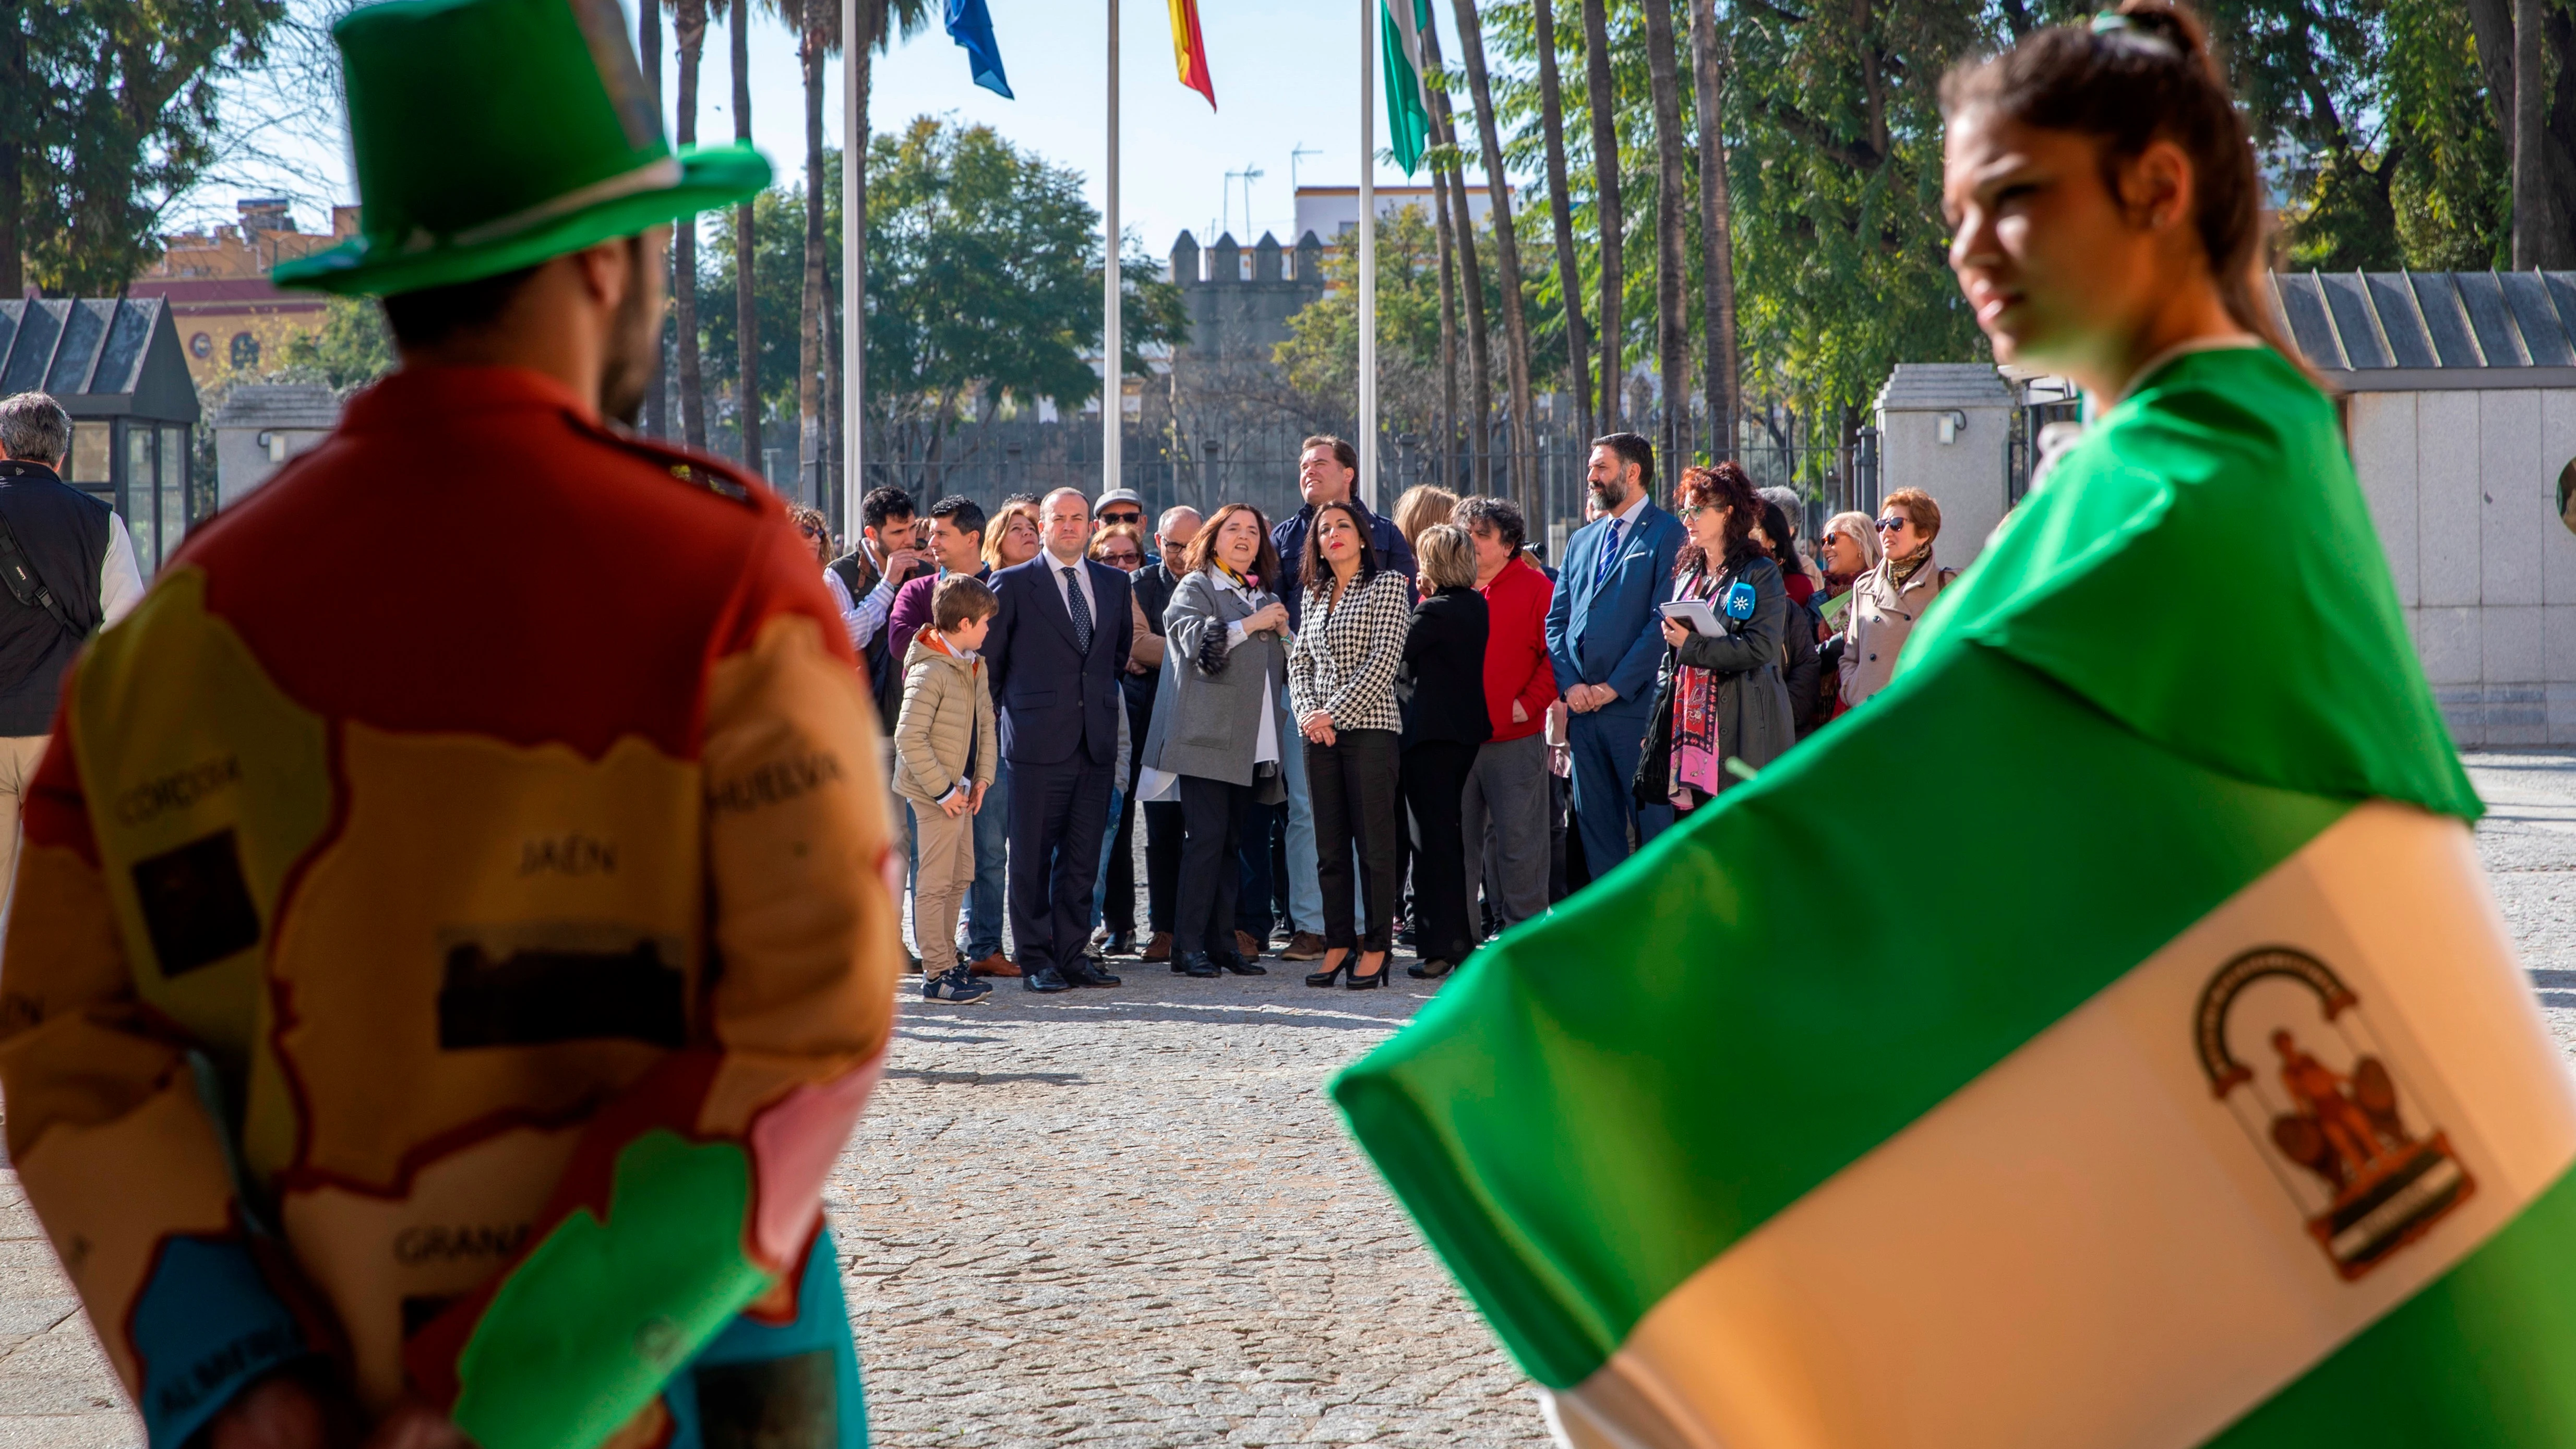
{"x": 1056, "y": 650}
{"x": 1603, "y": 638}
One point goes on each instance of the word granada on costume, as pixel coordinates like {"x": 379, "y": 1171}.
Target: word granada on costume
{"x": 777, "y": 783}
{"x": 415, "y": 1246}
{"x": 177, "y": 790}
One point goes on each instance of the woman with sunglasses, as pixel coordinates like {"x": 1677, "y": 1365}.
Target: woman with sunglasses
{"x": 1887, "y": 600}
{"x": 1718, "y": 696}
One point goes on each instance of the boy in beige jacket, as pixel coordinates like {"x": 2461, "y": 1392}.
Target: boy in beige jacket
{"x": 945, "y": 749}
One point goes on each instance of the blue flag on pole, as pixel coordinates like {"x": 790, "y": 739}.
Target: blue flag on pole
{"x": 971, "y": 25}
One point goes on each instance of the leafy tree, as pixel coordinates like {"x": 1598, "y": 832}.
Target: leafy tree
{"x": 1321, "y": 355}
{"x": 983, "y": 282}
{"x": 352, "y": 349}
{"x": 983, "y": 285}
{"x": 107, "y": 112}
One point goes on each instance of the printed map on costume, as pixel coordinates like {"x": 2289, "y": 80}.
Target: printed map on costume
{"x": 2182, "y": 1090}
{"x": 477, "y": 988}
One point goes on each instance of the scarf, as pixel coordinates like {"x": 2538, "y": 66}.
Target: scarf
{"x": 1901, "y": 571}
{"x": 1698, "y": 759}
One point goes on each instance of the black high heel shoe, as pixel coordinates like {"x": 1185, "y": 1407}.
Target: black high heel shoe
{"x": 1374, "y": 979}
{"x": 1333, "y": 969}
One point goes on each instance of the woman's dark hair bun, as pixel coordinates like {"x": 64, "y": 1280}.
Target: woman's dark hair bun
{"x": 2130, "y": 78}
{"x": 2163, "y": 20}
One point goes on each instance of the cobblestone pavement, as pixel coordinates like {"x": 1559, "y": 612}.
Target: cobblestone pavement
{"x": 1129, "y": 1217}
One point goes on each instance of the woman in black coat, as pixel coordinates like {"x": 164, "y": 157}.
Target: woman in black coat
{"x": 1440, "y": 687}
{"x": 1718, "y": 697}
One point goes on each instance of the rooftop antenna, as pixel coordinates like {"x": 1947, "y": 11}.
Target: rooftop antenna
{"x": 1302, "y": 150}
{"x": 1227, "y": 205}
{"x": 1250, "y": 173}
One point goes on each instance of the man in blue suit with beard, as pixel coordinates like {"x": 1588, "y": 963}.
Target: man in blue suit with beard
{"x": 1056, "y": 649}
{"x": 1603, "y": 638}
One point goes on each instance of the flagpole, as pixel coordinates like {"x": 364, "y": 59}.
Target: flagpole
{"x": 854, "y": 229}
{"x": 1368, "y": 254}
{"x": 1113, "y": 340}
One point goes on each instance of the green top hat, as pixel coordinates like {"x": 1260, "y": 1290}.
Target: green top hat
{"x": 494, "y": 134}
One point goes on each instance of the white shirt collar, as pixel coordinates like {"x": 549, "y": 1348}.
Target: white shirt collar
{"x": 1628, "y": 514}
{"x": 1061, "y": 564}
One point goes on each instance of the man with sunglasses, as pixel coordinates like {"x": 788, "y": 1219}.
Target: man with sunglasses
{"x": 1117, "y": 506}
{"x": 1887, "y": 600}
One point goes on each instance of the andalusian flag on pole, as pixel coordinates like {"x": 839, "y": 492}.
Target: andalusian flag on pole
{"x": 1408, "y": 105}
{"x": 1189, "y": 50}
{"x": 2105, "y": 1036}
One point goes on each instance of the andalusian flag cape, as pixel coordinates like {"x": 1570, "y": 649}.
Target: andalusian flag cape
{"x": 2104, "y": 1037}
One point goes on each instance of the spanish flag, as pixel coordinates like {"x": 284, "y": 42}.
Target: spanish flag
{"x": 1190, "y": 51}
{"x": 2181, "y": 1091}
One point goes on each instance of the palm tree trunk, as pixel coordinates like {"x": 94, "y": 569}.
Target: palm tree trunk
{"x": 1479, "y": 363}
{"x": 648, "y": 50}
{"x": 854, "y": 154}
{"x": 1507, "y": 257}
{"x": 2523, "y": 146}
{"x": 1723, "y": 371}
{"x": 1448, "y": 336}
{"x": 1672, "y": 331}
{"x": 690, "y": 30}
{"x": 809, "y": 318}
{"x": 1569, "y": 265}
{"x": 746, "y": 325}
{"x": 1600, "y": 98}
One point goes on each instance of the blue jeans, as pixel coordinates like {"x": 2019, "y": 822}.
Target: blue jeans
{"x": 1605, "y": 744}
{"x": 985, "y": 900}
{"x": 1108, "y": 841}
{"x": 1305, "y": 887}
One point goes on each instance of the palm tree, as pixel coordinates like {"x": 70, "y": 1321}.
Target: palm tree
{"x": 818, "y": 33}
{"x": 1672, "y": 332}
{"x": 1452, "y": 177}
{"x": 1601, "y": 98}
{"x": 878, "y": 19}
{"x": 1569, "y": 266}
{"x": 746, "y": 327}
{"x": 1448, "y": 334}
{"x": 1507, "y": 256}
{"x": 690, "y": 30}
{"x": 648, "y": 51}
{"x": 1722, "y": 372}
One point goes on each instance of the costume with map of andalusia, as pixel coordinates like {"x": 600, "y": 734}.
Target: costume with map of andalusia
{"x": 451, "y": 945}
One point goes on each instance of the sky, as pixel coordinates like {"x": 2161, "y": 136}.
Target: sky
{"x": 1287, "y": 86}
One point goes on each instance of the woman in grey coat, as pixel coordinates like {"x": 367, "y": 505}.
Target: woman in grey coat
{"x": 1718, "y": 696}
{"x": 1220, "y": 723}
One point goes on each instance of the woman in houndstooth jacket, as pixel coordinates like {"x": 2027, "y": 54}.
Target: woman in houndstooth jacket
{"x": 1341, "y": 681}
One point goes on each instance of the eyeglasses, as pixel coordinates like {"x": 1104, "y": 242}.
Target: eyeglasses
{"x": 1893, "y": 525}
{"x": 1122, "y": 518}
{"x": 1122, "y": 559}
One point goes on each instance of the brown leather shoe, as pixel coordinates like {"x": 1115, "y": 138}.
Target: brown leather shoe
{"x": 1160, "y": 949}
{"x": 1249, "y": 946}
{"x": 996, "y": 964}
{"x": 1304, "y": 946}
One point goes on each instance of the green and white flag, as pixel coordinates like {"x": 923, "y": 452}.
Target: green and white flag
{"x": 1408, "y": 105}
{"x": 2105, "y": 1036}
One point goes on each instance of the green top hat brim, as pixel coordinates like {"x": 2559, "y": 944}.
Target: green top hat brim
{"x": 710, "y": 177}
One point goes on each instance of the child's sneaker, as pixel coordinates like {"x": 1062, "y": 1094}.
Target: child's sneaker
{"x": 956, "y": 984}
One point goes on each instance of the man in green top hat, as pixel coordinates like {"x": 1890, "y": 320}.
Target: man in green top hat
{"x": 443, "y": 971}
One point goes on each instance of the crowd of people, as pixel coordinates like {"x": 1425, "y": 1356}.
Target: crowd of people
{"x": 1340, "y": 730}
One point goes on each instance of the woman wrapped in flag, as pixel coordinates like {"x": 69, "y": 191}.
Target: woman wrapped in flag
{"x": 2185, "y": 1090}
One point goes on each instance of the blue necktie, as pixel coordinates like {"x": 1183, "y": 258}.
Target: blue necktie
{"x": 1081, "y": 608}
{"x": 1609, "y": 555}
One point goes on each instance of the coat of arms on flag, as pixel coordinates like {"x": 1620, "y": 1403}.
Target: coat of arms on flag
{"x": 2327, "y": 1100}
